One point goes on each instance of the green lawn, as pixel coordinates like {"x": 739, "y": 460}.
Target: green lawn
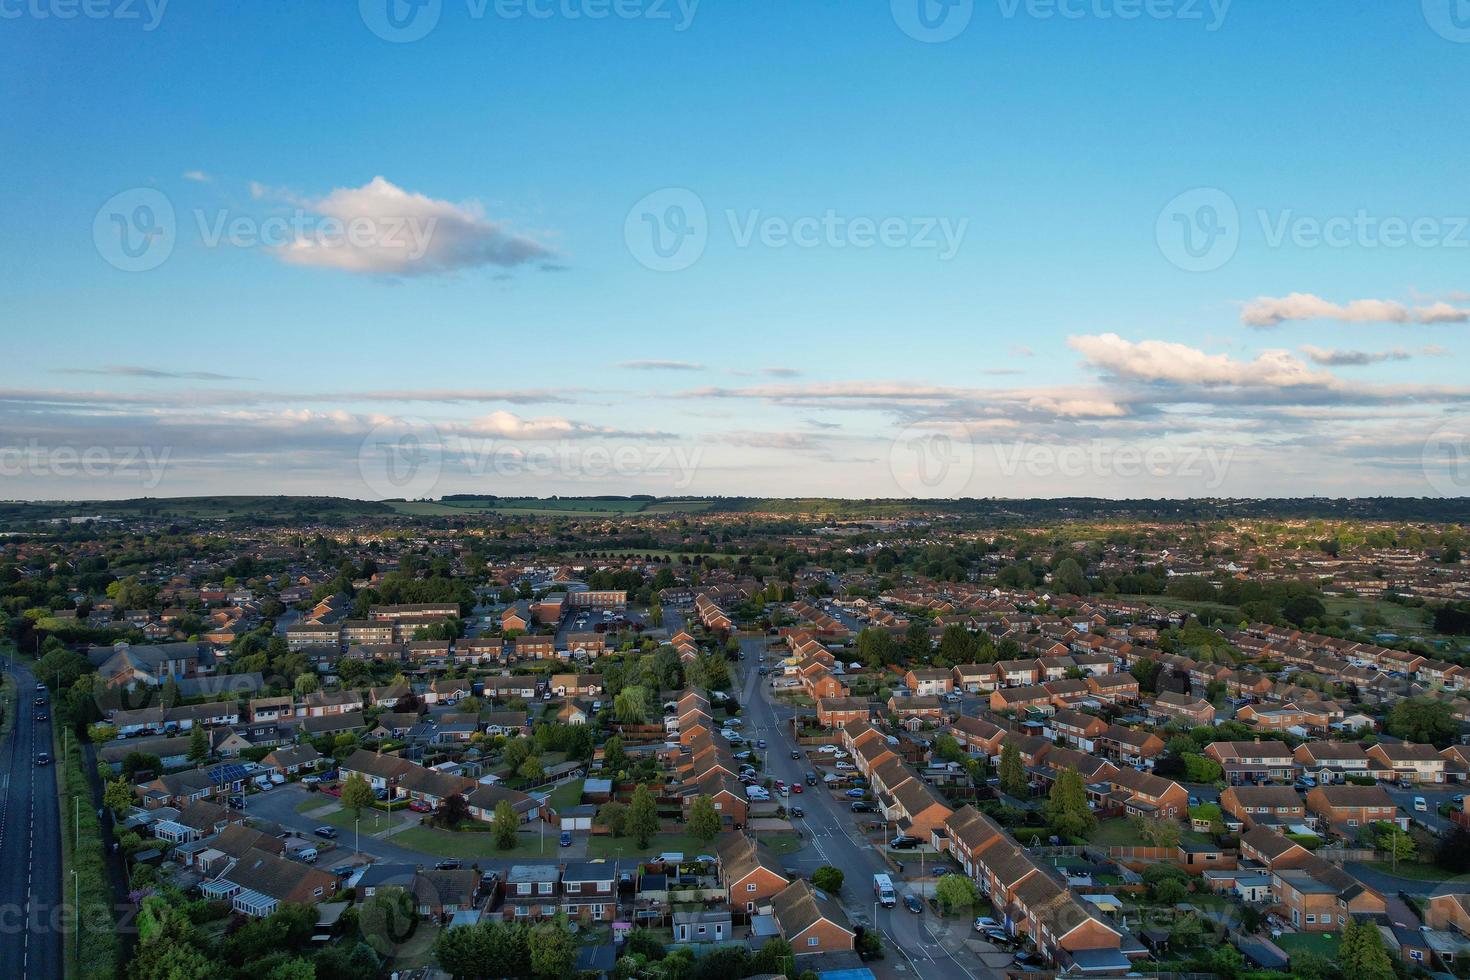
{"x": 1409, "y": 869}
{"x": 1324, "y": 944}
{"x": 566, "y": 795}
{"x": 474, "y": 844}
{"x": 605, "y": 846}
{"x": 1115, "y": 833}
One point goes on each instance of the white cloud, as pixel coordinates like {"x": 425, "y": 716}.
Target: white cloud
{"x": 1265, "y": 312}
{"x": 198, "y": 176}
{"x": 661, "y": 366}
{"x": 1165, "y": 361}
{"x": 380, "y": 229}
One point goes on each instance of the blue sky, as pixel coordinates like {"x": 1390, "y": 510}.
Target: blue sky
{"x": 1030, "y": 323}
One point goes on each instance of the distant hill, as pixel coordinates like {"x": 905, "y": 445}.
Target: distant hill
{"x": 989, "y": 510}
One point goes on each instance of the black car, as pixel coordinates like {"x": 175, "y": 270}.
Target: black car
{"x": 797, "y": 811}
{"x": 40, "y": 700}
{"x": 343, "y": 871}
{"x": 912, "y": 903}
{"x": 1029, "y": 961}
{"x": 237, "y": 802}
{"x": 903, "y": 842}
{"x": 861, "y": 807}
{"x": 795, "y": 754}
{"x": 329, "y": 833}
{"x": 40, "y": 716}
{"x": 43, "y": 759}
{"x": 448, "y": 864}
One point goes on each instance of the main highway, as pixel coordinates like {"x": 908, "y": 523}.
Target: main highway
{"x": 33, "y": 919}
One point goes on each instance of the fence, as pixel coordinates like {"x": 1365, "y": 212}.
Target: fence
{"x": 1339, "y": 855}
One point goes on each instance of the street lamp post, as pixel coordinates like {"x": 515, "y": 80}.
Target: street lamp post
{"x": 356, "y": 836}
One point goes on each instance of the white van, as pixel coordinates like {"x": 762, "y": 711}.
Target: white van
{"x": 308, "y": 855}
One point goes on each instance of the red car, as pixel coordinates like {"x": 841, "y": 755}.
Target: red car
{"x": 419, "y": 806}
{"x": 796, "y": 787}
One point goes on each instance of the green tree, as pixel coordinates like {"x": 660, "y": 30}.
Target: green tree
{"x": 1066, "y": 805}
{"x": 1397, "y": 842}
{"x": 828, "y": 879}
{"x": 464, "y": 951}
{"x": 614, "y": 759}
{"x": 198, "y": 746}
{"x": 357, "y": 795}
{"x": 955, "y": 893}
{"x": 387, "y": 919}
{"x": 775, "y": 957}
{"x": 553, "y": 949}
{"x": 1157, "y": 831}
{"x": 118, "y": 795}
{"x": 1067, "y": 578}
{"x": 1423, "y": 719}
{"x": 1013, "y": 773}
{"x": 643, "y": 816}
{"x": 630, "y": 707}
{"x": 1361, "y": 954}
{"x": 504, "y": 825}
{"x": 531, "y": 770}
{"x": 704, "y": 819}
{"x": 614, "y": 816}
{"x": 1201, "y": 769}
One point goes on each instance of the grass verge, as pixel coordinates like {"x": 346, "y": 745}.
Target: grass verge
{"x": 94, "y": 955}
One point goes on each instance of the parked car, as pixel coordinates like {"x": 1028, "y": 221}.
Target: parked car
{"x": 828, "y": 749}
{"x": 845, "y": 767}
{"x": 861, "y": 808}
{"x": 760, "y": 743}
{"x": 329, "y": 833}
{"x": 855, "y": 794}
{"x": 566, "y": 838}
{"x": 903, "y": 842}
{"x": 448, "y": 864}
{"x": 999, "y": 938}
{"x": 984, "y": 922}
{"x": 419, "y": 806}
{"x": 1029, "y": 961}
{"x": 237, "y": 802}
{"x": 343, "y": 870}
{"x": 912, "y": 903}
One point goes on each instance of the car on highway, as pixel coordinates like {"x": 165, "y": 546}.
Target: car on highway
{"x": 43, "y": 758}
{"x": 855, "y": 794}
{"x": 40, "y": 716}
{"x": 40, "y": 700}
{"x": 912, "y": 903}
{"x": 329, "y": 833}
{"x": 811, "y": 779}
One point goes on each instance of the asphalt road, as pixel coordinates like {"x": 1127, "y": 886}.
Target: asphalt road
{"x": 834, "y": 838}
{"x": 32, "y": 917}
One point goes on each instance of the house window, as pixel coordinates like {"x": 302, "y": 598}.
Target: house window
{"x": 574, "y": 887}
{"x": 544, "y": 888}
{"x": 750, "y": 887}
{"x": 813, "y": 941}
{"x": 1311, "y": 919}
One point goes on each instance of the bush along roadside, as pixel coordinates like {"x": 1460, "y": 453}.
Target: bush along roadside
{"x": 92, "y": 955}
